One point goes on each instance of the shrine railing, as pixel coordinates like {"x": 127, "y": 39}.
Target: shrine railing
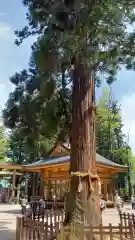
{"x": 32, "y": 230}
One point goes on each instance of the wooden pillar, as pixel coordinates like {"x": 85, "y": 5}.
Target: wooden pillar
{"x": 55, "y": 188}
{"x": 33, "y": 185}
{"x": 105, "y": 190}
{"x": 13, "y": 183}
{"x": 102, "y": 186}
{"x": 46, "y": 190}
{"x": 8, "y": 194}
{"x": 18, "y": 193}
{"x": 49, "y": 186}
{"x": 61, "y": 183}
{"x": 19, "y": 228}
{"x": 37, "y": 184}
{"x": 42, "y": 181}
{"x": 111, "y": 191}
{"x": 26, "y": 184}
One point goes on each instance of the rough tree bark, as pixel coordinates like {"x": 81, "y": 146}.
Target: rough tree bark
{"x": 83, "y": 150}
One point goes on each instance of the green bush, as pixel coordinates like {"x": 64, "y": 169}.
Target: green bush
{"x": 124, "y": 192}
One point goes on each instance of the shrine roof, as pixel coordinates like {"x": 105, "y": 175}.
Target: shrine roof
{"x": 10, "y": 166}
{"x": 66, "y": 159}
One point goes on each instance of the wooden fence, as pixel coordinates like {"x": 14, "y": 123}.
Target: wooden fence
{"x": 48, "y": 225}
{"x": 39, "y": 226}
{"x": 101, "y": 232}
{"x": 49, "y": 216}
{"x": 33, "y": 230}
{"x": 126, "y": 218}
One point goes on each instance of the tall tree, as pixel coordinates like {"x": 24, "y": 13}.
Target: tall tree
{"x": 110, "y": 137}
{"x": 111, "y": 141}
{"x": 82, "y": 38}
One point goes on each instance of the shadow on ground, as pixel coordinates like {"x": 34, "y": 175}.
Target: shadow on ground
{"x": 5, "y": 232}
{"x": 13, "y": 211}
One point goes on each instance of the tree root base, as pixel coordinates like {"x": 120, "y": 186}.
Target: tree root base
{"x": 77, "y": 233}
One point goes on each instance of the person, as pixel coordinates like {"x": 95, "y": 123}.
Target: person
{"x": 122, "y": 202}
{"x": 54, "y": 201}
{"x": 102, "y": 207}
{"x": 41, "y": 206}
{"x": 23, "y": 204}
{"x": 117, "y": 201}
{"x": 102, "y": 204}
{"x": 133, "y": 202}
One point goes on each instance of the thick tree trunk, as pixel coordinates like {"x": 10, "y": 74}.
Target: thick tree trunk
{"x": 83, "y": 206}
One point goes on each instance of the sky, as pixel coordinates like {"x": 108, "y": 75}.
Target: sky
{"x": 14, "y": 59}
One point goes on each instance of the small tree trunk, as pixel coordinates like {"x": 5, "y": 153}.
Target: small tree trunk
{"x": 83, "y": 206}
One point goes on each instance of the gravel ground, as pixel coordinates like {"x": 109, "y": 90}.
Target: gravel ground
{"x": 8, "y": 214}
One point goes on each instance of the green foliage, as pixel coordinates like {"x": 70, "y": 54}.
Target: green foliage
{"x": 124, "y": 192}
{"x": 111, "y": 142}
{"x": 110, "y": 138}
{"x": 132, "y": 161}
{"x": 3, "y": 144}
{"x": 23, "y": 149}
{"x": 37, "y": 112}
{"x": 90, "y": 32}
